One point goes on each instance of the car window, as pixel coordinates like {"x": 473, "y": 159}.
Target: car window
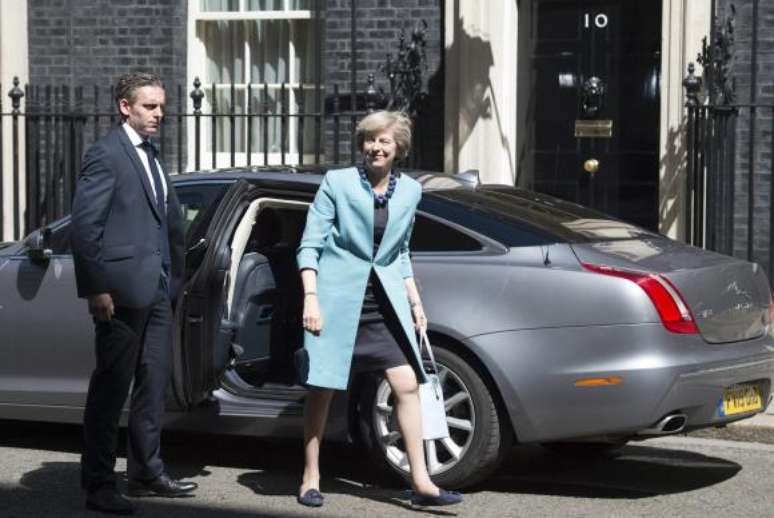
{"x": 512, "y": 233}
{"x": 198, "y": 203}
{"x": 516, "y": 217}
{"x": 430, "y": 235}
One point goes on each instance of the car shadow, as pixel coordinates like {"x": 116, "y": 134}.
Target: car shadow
{"x": 274, "y": 467}
{"x": 633, "y": 471}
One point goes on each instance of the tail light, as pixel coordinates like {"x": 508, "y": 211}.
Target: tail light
{"x": 771, "y": 309}
{"x": 670, "y": 305}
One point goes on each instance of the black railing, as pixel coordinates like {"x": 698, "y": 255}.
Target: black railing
{"x": 51, "y": 127}
{"x": 730, "y": 151}
{"x": 726, "y": 210}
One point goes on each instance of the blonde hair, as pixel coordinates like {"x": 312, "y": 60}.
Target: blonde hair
{"x": 398, "y": 122}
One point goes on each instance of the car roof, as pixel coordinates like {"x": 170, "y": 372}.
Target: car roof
{"x": 311, "y": 176}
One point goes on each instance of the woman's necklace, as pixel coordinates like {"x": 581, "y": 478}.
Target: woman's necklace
{"x": 380, "y": 200}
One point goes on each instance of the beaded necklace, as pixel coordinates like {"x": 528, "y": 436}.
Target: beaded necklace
{"x": 380, "y": 200}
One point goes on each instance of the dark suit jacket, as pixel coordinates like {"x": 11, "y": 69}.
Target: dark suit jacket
{"x": 116, "y": 226}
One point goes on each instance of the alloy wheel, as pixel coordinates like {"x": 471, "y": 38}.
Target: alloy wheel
{"x": 440, "y": 454}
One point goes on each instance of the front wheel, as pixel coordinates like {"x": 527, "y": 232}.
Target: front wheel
{"x": 477, "y": 435}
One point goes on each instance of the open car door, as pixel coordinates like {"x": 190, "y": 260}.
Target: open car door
{"x": 204, "y": 346}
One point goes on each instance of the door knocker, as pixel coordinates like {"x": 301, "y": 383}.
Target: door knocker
{"x": 592, "y": 98}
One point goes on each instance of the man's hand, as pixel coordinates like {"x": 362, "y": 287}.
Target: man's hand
{"x": 101, "y": 306}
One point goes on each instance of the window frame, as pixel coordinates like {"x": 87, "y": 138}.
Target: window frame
{"x": 196, "y": 54}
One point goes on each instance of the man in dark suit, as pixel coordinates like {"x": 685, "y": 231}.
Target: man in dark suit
{"x": 127, "y": 241}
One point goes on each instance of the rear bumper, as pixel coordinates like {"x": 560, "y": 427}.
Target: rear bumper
{"x": 536, "y": 370}
{"x": 698, "y": 394}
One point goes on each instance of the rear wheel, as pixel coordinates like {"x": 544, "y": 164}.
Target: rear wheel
{"x": 477, "y": 436}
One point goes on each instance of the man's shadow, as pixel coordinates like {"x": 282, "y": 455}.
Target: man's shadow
{"x": 53, "y": 490}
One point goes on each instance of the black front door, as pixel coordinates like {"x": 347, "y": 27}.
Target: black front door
{"x": 594, "y": 111}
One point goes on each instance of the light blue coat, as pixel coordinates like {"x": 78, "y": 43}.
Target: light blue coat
{"x": 338, "y": 243}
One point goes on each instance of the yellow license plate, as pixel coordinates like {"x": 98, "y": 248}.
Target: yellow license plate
{"x": 740, "y": 399}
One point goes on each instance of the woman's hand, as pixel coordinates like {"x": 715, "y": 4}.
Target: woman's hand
{"x": 420, "y": 321}
{"x": 312, "y": 318}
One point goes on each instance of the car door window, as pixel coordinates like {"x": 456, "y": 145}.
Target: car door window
{"x": 198, "y": 203}
{"x": 430, "y": 235}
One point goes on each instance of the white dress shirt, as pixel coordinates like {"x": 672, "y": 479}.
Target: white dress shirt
{"x": 137, "y": 140}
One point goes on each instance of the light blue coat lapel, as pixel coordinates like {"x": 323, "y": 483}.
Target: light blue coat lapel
{"x": 396, "y": 224}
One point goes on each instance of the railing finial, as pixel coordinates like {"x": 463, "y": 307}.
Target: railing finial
{"x": 197, "y": 95}
{"x": 16, "y": 94}
{"x": 692, "y": 84}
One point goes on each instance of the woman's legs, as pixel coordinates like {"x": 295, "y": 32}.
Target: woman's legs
{"x": 315, "y": 415}
{"x": 406, "y": 392}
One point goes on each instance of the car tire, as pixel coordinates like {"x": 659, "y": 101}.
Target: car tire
{"x": 479, "y": 449}
{"x": 583, "y": 449}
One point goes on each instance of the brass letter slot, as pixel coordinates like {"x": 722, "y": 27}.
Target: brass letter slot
{"x": 594, "y": 128}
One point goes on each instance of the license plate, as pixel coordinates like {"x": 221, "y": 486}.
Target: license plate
{"x": 740, "y": 399}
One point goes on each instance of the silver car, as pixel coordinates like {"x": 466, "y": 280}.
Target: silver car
{"x": 551, "y": 323}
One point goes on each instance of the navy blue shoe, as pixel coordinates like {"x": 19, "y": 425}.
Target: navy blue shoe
{"x": 312, "y": 498}
{"x": 443, "y": 498}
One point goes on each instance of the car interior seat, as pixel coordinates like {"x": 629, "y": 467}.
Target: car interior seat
{"x": 255, "y": 295}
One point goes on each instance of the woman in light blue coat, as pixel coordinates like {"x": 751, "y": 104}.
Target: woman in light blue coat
{"x": 361, "y": 305}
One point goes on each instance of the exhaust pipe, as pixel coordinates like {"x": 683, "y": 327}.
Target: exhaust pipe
{"x": 673, "y": 423}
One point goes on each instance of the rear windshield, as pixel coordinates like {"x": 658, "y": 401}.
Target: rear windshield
{"x": 516, "y": 217}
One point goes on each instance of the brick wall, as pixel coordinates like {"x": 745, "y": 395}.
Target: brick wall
{"x": 377, "y": 29}
{"x": 761, "y": 92}
{"x": 86, "y": 42}
{"x": 82, "y": 43}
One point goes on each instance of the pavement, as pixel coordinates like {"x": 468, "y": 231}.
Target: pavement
{"x": 763, "y": 419}
{"x": 243, "y": 477}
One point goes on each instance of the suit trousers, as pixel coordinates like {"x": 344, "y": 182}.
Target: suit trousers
{"x": 134, "y": 345}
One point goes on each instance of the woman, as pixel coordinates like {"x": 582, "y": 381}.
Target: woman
{"x": 360, "y": 296}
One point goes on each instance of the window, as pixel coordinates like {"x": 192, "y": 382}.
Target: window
{"x": 255, "y": 56}
{"x": 517, "y": 217}
{"x": 430, "y": 235}
{"x": 198, "y": 204}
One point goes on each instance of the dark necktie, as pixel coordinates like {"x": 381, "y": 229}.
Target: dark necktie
{"x": 150, "y": 151}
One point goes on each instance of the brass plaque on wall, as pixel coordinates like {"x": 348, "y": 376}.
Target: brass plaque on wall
{"x": 594, "y": 128}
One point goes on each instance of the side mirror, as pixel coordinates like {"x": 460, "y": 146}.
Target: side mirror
{"x": 38, "y": 245}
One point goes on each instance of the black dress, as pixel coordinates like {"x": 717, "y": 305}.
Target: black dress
{"x": 380, "y": 341}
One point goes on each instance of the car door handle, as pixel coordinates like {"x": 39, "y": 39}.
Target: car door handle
{"x": 195, "y": 320}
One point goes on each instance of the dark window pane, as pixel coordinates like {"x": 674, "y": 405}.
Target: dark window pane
{"x": 198, "y": 204}
{"x": 516, "y": 217}
{"x": 432, "y": 236}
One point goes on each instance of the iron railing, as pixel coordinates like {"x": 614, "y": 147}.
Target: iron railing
{"x": 730, "y": 149}
{"x": 51, "y": 127}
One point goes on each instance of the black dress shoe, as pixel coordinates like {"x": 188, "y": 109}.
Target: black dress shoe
{"x": 109, "y": 500}
{"x": 162, "y": 485}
